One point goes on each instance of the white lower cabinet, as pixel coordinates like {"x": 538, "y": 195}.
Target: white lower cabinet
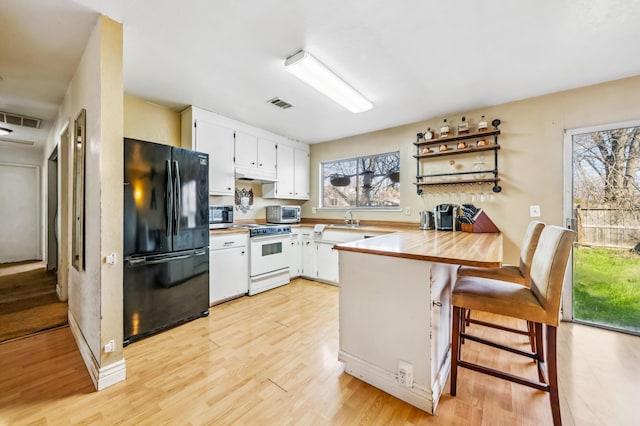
{"x": 326, "y": 262}
{"x": 228, "y": 267}
{"x": 308, "y": 251}
{"x": 320, "y": 261}
{"x": 293, "y": 254}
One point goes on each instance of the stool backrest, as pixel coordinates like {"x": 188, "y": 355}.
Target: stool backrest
{"x": 548, "y": 268}
{"x": 529, "y": 244}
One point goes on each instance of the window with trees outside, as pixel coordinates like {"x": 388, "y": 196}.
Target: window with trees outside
{"x": 368, "y": 182}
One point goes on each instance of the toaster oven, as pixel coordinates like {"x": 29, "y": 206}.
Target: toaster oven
{"x": 283, "y": 214}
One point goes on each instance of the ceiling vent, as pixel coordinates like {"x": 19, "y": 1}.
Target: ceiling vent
{"x": 19, "y": 120}
{"x": 280, "y": 103}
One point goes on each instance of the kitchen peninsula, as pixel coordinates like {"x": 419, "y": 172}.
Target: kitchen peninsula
{"x": 395, "y": 310}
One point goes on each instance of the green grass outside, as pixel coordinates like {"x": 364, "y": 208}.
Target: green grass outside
{"x": 606, "y": 287}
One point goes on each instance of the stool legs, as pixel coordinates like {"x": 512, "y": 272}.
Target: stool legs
{"x": 552, "y": 371}
{"x": 458, "y": 322}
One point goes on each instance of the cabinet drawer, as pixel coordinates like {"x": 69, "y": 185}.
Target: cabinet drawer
{"x": 227, "y": 241}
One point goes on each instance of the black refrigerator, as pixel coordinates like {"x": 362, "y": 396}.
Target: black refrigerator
{"x": 166, "y": 237}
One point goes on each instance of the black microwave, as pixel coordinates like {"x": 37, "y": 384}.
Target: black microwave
{"x": 220, "y": 216}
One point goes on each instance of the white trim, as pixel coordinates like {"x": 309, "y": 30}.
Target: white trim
{"x": 602, "y": 127}
{"x": 566, "y": 313}
{"x": 417, "y": 396}
{"x": 102, "y": 377}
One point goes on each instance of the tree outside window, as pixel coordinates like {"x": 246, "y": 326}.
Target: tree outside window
{"x": 371, "y": 181}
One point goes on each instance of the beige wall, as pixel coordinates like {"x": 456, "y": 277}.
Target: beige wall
{"x": 530, "y": 159}
{"x": 151, "y": 122}
{"x": 95, "y": 294}
{"x": 111, "y": 188}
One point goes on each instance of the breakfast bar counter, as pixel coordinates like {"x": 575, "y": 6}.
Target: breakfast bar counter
{"x": 395, "y": 307}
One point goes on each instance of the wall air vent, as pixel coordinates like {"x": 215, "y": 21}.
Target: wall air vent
{"x": 19, "y": 120}
{"x": 280, "y": 103}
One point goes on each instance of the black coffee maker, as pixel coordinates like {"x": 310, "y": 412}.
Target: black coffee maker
{"x": 445, "y": 216}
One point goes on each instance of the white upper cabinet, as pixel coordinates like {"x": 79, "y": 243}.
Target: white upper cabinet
{"x": 255, "y": 158}
{"x": 293, "y": 174}
{"x": 201, "y": 134}
{"x": 301, "y": 173}
{"x": 246, "y": 150}
{"x": 238, "y": 151}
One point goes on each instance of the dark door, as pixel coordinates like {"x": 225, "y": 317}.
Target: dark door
{"x": 164, "y": 290}
{"x": 191, "y": 182}
{"x": 146, "y": 198}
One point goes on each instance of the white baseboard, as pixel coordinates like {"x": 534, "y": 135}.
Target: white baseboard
{"x": 102, "y": 377}
{"x": 418, "y": 396}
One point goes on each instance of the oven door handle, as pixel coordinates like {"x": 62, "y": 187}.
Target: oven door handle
{"x": 269, "y": 237}
{"x": 270, "y": 274}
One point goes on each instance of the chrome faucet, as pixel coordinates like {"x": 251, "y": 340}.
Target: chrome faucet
{"x": 349, "y": 221}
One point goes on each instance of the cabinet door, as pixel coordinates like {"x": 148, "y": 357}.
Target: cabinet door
{"x": 441, "y": 280}
{"x": 327, "y": 262}
{"x": 293, "y": 254}
{"x": 267, "y": 155}
{"x": 229, "y": 273}
{"x": 301, "y": 174}
{"x": 217, "y": 141}
{"x": 285, "y": 184}
{"x": 246, "y": 150}
{"x": 308, "y": 258}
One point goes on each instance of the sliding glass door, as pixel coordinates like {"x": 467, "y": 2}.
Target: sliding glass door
{"x": 602, "y": 204}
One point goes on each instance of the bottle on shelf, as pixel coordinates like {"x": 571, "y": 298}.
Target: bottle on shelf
{"x": 444, "y": 129}
{"x": 483, "y": 126}
{"x": 428, "y": 135}
{"x": 463, "y": 126}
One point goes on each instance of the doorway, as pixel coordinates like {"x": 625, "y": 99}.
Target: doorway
{"x": 602, "y": 204}
{"x": 52, "y": 211}
{"x": 20, "y": 212}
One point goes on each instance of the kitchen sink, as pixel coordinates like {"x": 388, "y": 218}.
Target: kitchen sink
{"x": 351, "y": 225}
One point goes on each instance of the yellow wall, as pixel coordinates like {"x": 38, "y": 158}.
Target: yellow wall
{"x": 530, "y": 159}
{"x": 150, "y": 122}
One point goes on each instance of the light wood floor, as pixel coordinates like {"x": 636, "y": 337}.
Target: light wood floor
{"x": 272, "y": 359}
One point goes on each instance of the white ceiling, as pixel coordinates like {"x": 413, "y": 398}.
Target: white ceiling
{"x": 414, "y": 59}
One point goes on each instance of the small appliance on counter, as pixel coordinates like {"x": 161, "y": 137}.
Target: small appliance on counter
{"x": 445, "y": 216}
{"x": 426, "y": 220}
{"x": 283, "y": 214}
{"x": 220, "y": 216}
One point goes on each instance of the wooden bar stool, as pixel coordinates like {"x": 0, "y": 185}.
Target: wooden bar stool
{"x": 539, "y": 304}
{"x": 518, "y": 274}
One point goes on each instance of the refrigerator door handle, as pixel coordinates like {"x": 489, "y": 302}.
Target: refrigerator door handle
{"x": 169, "y": 198}
{"x": 167, "y": 259}
{"x": 177, "y": 196}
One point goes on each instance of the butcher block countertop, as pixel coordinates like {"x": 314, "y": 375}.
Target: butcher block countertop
{"x": 458, "y": 248}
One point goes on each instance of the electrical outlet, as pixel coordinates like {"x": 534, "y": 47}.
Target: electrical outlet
{"x": 314, "y": 210}
{"x": 111, "y": 259}
{"x": 405, "y": 374}
{"x": 534, "y": 211}
{"x": 110, "y": 346}
{"x": 407, "y": 211}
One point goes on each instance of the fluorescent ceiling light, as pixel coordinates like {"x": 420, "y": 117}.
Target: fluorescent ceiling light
{"x": 315, "y": 74}
{"x": 4, "y": 131}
